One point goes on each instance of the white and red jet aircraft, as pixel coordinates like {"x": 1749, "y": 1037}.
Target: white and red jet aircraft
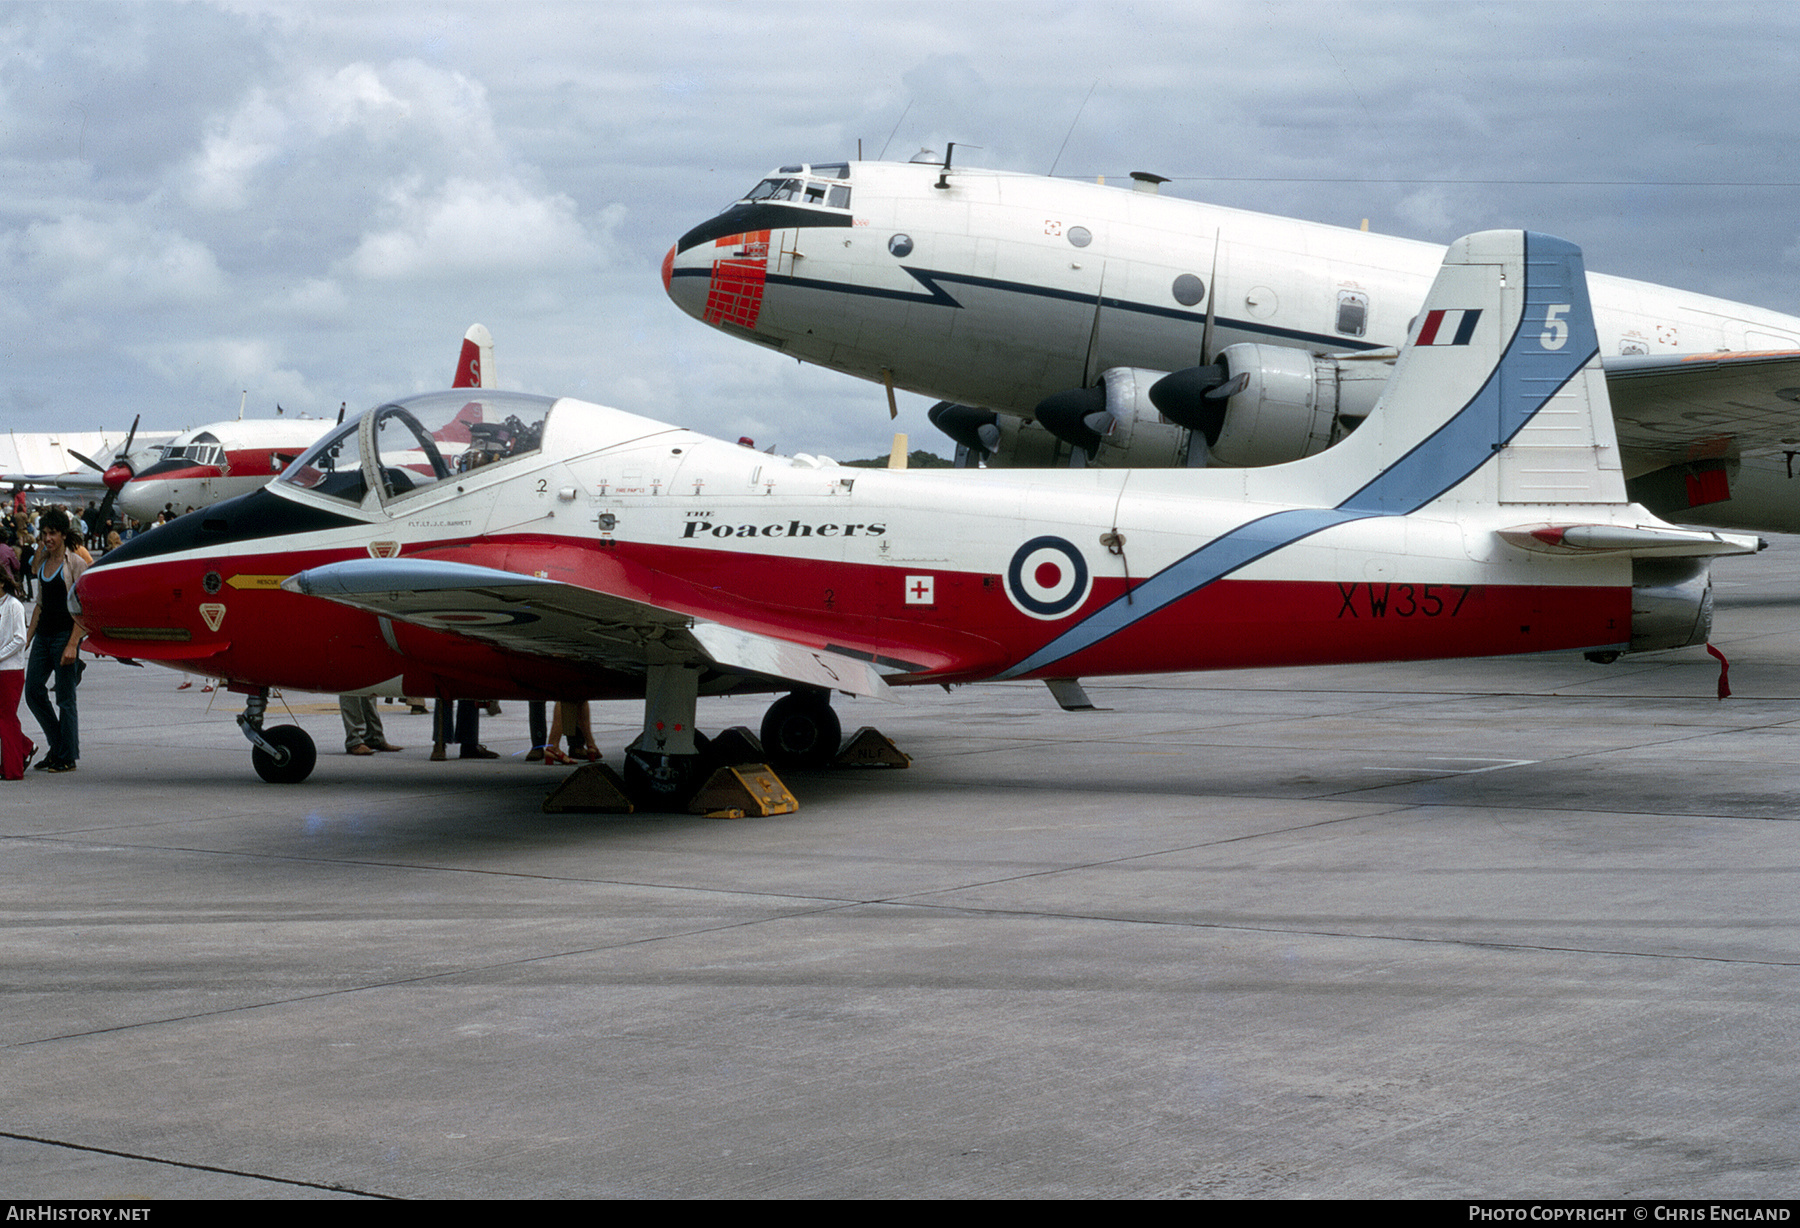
{"x": 500, "y": 544}
{"x": 1147, "y": 330}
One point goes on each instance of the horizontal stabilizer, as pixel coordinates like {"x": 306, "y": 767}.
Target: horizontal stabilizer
{"x": 1639, "y": 541}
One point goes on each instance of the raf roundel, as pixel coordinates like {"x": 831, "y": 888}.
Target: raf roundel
{"x": 1047, "y": 577}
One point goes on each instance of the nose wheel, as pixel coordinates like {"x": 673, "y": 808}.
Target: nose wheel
{"x": 292, "y": 759}
{"x": 284, "y": 755}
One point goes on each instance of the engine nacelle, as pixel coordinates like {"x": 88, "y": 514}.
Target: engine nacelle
{"x": 1671, "y": 603}
{"x": 1114, "y": 424}
{"x": 1138, "y": 436}
{"x": 1294, "y": 403}
{"x": 1257, "y": 405}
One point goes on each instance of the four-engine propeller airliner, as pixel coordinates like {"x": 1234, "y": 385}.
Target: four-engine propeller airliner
{"x": 476, "y": 543}
{"x": 1146, "y": 330}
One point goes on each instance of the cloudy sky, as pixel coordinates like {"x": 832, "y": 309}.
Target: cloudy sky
{"x": 311, "y": 202}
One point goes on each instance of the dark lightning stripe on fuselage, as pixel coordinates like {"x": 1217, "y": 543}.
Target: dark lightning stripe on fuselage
{"x": 934, "y": 280}
{"x": 1437, "y": 464}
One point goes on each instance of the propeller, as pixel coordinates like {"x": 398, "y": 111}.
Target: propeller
{"x": 975, "y": 429}
{"x": 116, "y": 475}
{"x": 1078, "y": 417}
{"x": 1196, "y": 397}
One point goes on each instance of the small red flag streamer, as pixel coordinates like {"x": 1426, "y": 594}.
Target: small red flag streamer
{"x": 1724, "y": 672}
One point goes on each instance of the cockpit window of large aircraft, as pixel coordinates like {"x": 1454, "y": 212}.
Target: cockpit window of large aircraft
{"x": 202, "y": 449}
{"x": 806, "y": 185}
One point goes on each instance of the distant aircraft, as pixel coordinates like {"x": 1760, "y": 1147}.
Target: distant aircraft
{"x": 224, "y": 459}
{"x": 499, "y": 544}
{"x": 205, "y": 464}
{"x": 1145, "y": 330}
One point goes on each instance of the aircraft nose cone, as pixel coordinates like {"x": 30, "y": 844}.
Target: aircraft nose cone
{"x": 685, "y": 277}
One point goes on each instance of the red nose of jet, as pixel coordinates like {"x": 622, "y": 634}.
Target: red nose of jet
{"x": 668, "y": 268}
{"x": 116, "y": 476}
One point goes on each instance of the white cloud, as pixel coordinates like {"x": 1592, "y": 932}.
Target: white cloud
{"x": 472, "y": 226}
{"x": 326, "y": 121}
{"x": 121, "y": 262}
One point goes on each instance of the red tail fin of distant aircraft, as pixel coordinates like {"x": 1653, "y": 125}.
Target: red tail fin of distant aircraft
{"x": 475, "y": 366}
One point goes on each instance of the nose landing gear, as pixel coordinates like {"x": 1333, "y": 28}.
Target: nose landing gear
{"x": 284, "y": 755}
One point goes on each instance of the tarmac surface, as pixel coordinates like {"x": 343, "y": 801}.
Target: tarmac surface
{"x": 1501, "y": 928}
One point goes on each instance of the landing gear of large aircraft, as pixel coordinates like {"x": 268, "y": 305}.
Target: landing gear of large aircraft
{"x": 284, "y": 755}
{"x": 800, "y": 730}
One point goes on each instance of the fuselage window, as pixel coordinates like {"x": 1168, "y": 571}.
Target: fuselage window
{"x": 840, "y": 197}
{"x": 1352, "y": 313}
{"x": 1188, "y": 290}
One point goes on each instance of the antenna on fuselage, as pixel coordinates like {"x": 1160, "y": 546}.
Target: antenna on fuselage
{"x": 944, "y": 177}
{"x": 890, "y": 140}
{"x": 1072, "y": 123}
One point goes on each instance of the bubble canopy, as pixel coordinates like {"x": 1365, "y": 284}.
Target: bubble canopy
{"x": 404, "y": 447}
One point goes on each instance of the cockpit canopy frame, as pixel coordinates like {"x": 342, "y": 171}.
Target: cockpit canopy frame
{"x": 403, "y": 448}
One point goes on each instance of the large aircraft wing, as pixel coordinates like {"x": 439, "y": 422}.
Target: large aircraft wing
{"x": 75, "y": 480}
{"x": 540, "y": 617}
{"x": 1690, "y": 406}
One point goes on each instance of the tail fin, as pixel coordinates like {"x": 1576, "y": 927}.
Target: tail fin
{"x": 1506, "y": 339}
{"x": 475, "y": 366}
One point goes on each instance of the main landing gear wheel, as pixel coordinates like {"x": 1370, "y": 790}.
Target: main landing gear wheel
{"x": 662, "y": 784}
{"x": 293, "y": 759}
{"x": 800, "y": 730}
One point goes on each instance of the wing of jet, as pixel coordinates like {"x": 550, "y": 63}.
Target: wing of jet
{"x": 540, "y": 617}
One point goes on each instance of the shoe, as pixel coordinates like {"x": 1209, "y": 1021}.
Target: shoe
{"x": 206, "y": 688}
{"x": 493, "y": 707}
{"x": 60, "y": 767}
{"x": 30, "y": 754}
{"x": 418, "y": 710}
{"x": 437, "y": 753}
{"x": 45, "y": 766}
{"x": 480, "y": 752}
{"x": 359, "y": 749}
{"x": 555, "y": 758}
{"x": 388, "y": 746}
{"x": 184, "y": 686}
{"x": 535, "y": 755}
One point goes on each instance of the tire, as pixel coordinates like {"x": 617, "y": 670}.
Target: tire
{"x": 800, "y": 730}
{"x": 294, "y": 765}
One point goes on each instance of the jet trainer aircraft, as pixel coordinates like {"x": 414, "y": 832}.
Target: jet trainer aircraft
{"x": 1145, "y": 330}
{"x": 497, "y": 544}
